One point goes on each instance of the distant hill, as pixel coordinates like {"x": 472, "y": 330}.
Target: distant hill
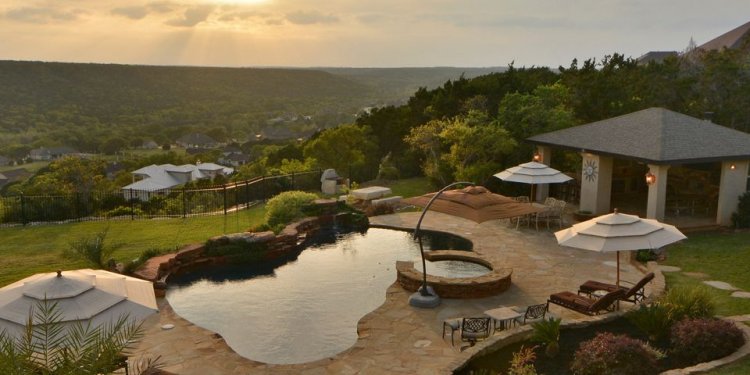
{"x": 81, "y": 105}
{"x": 398, "y": 84}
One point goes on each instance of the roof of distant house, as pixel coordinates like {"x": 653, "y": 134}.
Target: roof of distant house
{"x": 732, "y": 39}
{"x": 654, "y": 135}
{"x": 656, "y": 56}
{"x": 196, "y": 139}
{"x": 158, "y": 177}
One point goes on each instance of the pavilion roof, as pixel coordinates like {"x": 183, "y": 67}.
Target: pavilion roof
{"x": 654, "y": 135}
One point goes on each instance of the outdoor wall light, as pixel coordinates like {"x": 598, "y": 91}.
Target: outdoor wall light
{"x": 732, "y": 166}
{"x": 650, "y": 178}
{"x": 537, "y": 158}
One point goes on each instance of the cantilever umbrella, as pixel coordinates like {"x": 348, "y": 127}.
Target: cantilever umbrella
{"x": 475, "y": 203}
{"x": 533, "y": 173}
{"x": 95, "y": 296}
{"x": 617, "y": 232}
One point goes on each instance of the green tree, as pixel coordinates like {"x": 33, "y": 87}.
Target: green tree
{"x": 343, "y": 147}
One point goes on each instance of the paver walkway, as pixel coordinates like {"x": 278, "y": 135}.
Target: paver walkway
{"x": 397, "y": 338}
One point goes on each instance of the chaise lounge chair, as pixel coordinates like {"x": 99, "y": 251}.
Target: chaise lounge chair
{"x": 634, "y": 293}
{"x": 585, "y": 305}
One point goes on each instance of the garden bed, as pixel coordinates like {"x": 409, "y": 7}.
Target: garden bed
{"x": 570, "y": 340}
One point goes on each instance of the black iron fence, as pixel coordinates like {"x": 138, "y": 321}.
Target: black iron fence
{"x": 137, "y": 204}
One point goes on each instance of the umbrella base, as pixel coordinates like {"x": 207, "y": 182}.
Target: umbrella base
{"x": 430, "y": 301}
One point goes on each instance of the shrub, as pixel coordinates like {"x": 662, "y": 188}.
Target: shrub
{"x": 653, "y": 320}
{"x": 124, "y": 211}
{"x": 701, "y": 340}
{"x": 523, "y": 362}
{"x": 614, "y": 354}
{"x": 287, "y": 207}
{"x": 644, "y": 256}
{"x": 547, "y": 332}
{"x": 741, "y": 218}
{"x": 689, "y": 302}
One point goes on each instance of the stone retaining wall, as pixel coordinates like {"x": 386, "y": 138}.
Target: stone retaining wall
{"x": 490, "y": 284}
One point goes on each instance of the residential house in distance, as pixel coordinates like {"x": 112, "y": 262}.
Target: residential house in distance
{"x": 197, "y": 140}
{"x": 160, "y": 179}
{"x": 15, "y": 175}
{"x": 737, "y": 38}
{"x": 52, "y": 153}
{"x": 233, "y": 155}
{"x": 149, "y": 145}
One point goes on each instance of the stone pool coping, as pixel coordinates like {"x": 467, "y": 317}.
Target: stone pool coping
{"x": 492, "y": 283}
{"x": 395, "y": 337}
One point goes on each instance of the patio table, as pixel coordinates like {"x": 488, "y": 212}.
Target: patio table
{"x": 504, "y": 316}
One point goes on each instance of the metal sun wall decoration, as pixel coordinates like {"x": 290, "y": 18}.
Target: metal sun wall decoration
{"x": 590, "y": 170}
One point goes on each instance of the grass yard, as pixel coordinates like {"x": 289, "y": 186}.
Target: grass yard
{"x": 408, "y": 187}
{"x": 723, "y": 257}
{"x": 31, "y": 167}
{"x": 28, "y": 250}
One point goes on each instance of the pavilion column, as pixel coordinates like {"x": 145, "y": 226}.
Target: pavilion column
{"x": 733, "y": 184}
{"x": 596, "y": 183}
{"x": 545, "y": 154}
{"x": 657, "y": 192}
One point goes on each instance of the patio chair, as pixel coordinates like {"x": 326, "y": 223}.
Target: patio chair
{"x": 585, "y": 305}
{"x": 452, "y": 324}
{"x": 526, "y": 219}
{"x": 532, "y": 312}
{"x": 473, "y": 329}
{"x": 634, "y": 293}
{"x": 555, "y": 208}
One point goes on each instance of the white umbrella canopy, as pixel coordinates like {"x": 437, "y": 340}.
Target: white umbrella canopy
{"x": 617, "y": 232}
{"x": 86, "y": 295}
{"x": 533, "y": 173}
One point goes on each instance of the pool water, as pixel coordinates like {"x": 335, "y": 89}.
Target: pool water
{"x": 308, "y": 308}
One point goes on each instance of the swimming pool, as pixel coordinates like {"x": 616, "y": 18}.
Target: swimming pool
{"x": 306, "y": 309}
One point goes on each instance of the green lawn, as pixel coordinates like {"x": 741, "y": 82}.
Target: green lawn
{"x": 28, "y": 250}
{"x": 723, "y": 257}
{"x": 31, "y": 167}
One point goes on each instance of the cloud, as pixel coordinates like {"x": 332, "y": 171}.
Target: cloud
{"x": 243, "y": 15}
{"x": 42, "y": 15}
{"x": 310, "y": 17}
{"x": 192, "y": 16}
{"x": 162, "y": 6}
{"x": 134, "y": 12}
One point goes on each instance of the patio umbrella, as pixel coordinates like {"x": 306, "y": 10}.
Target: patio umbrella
{"x": 85, "y": 295}
{"x": 474, "y": 203}
{"x": 616, "y": 232}
{"x": 533, "y": 173}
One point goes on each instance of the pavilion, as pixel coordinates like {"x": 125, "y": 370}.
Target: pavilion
{"x": 653, "y": 140}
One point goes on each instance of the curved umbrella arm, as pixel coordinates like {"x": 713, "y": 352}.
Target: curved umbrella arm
{"x": 423, "y": 290}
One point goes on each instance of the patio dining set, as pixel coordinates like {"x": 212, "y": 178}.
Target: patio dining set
{"x": 593, "y": 298}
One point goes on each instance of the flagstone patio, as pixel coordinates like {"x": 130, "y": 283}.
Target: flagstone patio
{"x": 398, "y": 338}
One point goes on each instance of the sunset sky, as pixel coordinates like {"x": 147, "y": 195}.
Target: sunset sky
{"x": 362, "y": 33}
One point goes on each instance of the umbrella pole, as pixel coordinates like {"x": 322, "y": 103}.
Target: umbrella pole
{"x": 618, "y": 268}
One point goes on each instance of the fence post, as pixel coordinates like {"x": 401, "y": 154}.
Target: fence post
{"x": 263, "y": 188}
{"x": 225, "y": 199}
{"x": 132, "y": 208}
{"x": 292, "y": 180}
{"x": 184, "y": 203}
{"x": 23, "y": 210}
{"x": 247, "y": 194}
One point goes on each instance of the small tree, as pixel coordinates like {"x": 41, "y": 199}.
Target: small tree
{"x": 93, "y": 249}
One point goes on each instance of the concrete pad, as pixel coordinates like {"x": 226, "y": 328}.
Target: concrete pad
{"x": 669, "y": 268}
{"x": 741, "y": 294}
{"x": 720, "y": 285}
{"x": 371, "y": 192}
